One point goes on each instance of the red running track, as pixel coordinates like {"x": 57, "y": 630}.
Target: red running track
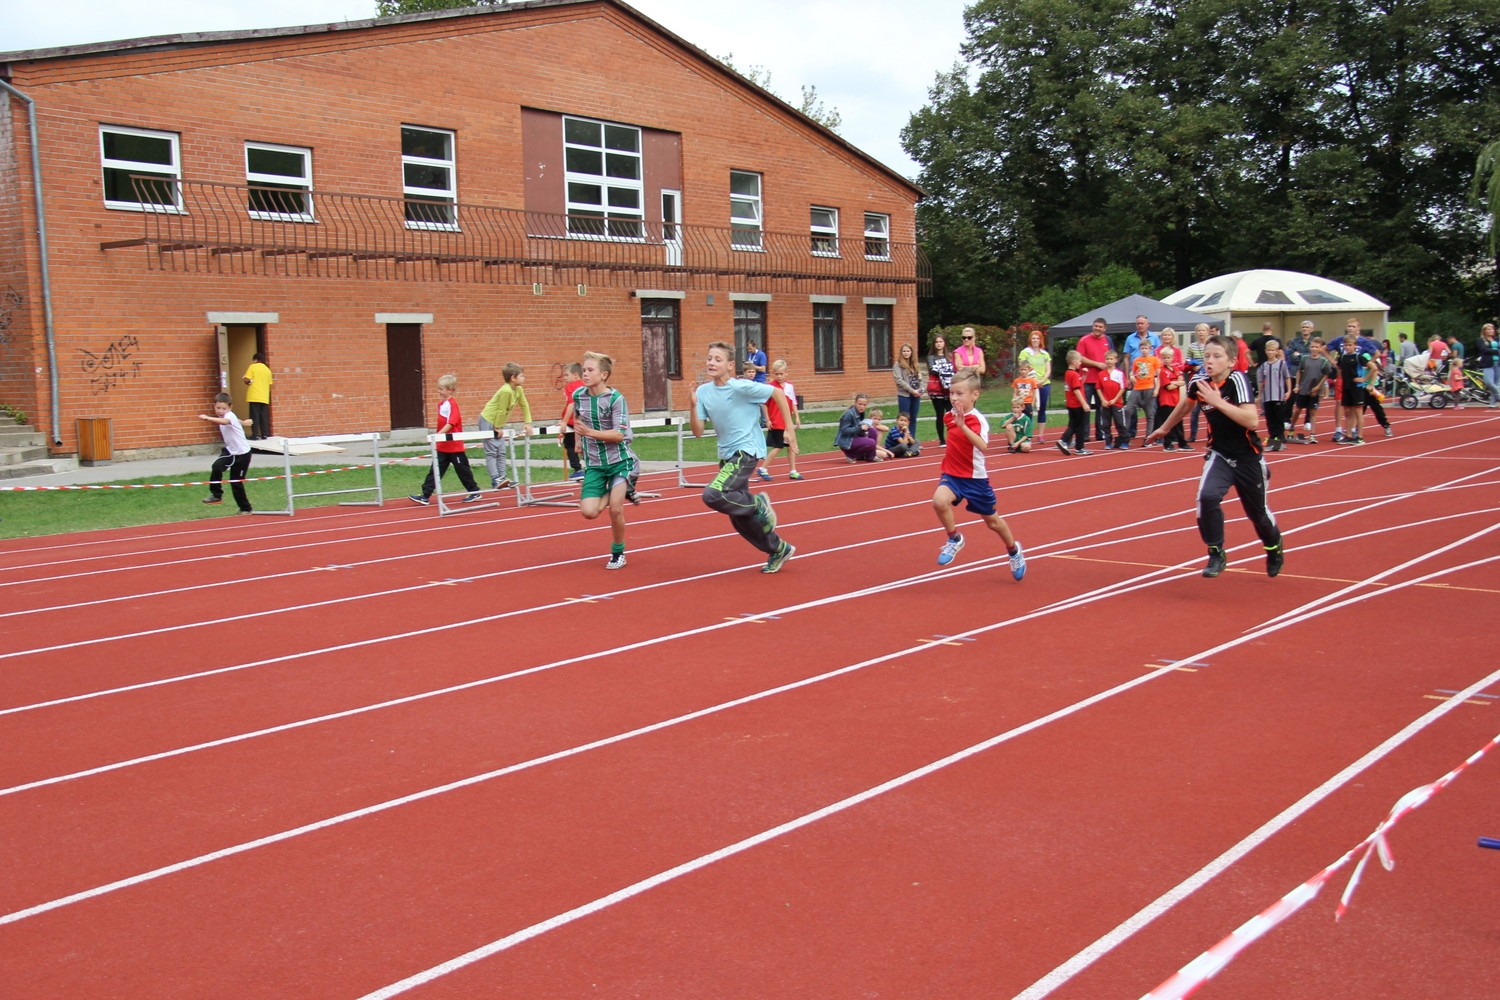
{"x": 381, "y": 753}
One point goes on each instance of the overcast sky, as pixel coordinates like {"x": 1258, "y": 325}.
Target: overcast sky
{"x": 871, "y": 60}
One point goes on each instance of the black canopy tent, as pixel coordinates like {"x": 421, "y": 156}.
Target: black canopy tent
{"x": 1121, "y": 315}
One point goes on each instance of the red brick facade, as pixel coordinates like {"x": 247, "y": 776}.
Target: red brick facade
{"x": 135, "y": 340}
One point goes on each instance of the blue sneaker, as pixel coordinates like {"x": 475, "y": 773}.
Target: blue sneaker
{"x": 764, "y": 475}
{"x": 950, "y": 550}
{"x": 419, "y": 498}
{"x": 1018, "y": 563}
{"x": 764, "y": 512}
{"x": 576, "y": 474}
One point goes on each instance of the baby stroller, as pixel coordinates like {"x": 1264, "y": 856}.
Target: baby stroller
{"x": 1424, "y": 387}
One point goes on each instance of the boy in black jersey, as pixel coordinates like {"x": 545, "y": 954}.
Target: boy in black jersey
{"x": 1234, "y": 456}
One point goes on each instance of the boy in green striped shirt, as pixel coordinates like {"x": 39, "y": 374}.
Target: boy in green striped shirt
{"x": 601, "y": 421}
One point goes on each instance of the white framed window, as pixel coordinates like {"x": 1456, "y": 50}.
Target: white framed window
{"x": 744, "y": 210}
{"x": 825, "y": 231}
{"x": 877, "y": 236}
{"x": 603, "y": 173}
{"x": 280, "y": 180}
{"x": 429, "y": 179}
{"x": 151, "y": 158}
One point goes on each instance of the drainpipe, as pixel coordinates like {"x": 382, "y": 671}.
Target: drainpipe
{"x": 41, "y": 236}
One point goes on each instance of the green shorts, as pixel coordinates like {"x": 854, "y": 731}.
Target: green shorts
{"x": 599, "y": 480}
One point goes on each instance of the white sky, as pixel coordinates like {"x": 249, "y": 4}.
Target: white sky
{"x": 872, "y": 60}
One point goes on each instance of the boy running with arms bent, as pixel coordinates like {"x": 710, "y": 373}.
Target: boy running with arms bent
{"x": 602, "y": 423}
{"x": 733, "y": 404}
{"x": 964, "y": 477}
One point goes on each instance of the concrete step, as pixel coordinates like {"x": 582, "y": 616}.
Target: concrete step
{"x": 40, "y": 468}
{"x": 16, "y": 436}
{"x": 21, "y": 456}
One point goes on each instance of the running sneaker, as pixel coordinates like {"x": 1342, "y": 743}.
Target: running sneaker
{"x": 783, "y": 552}
{"x": 1388, "y": 431}
{"x": 794, "y": 475}
{"x": 764, "y": 513}
{"x": 950, "y": 550}
{"x": 763, "y": 474}
{"x": 1275, "y": 556}
{"x": 1169, "y": 447}
{"x": 504, "y": 484}
{"x": 1125, "y": 446}
{"x": 213, "y": 499}
{"x": 419, "y": 499}
{"x": 1082, "y": 451}
{"x": 474, "y": 498}
{"x": 1062, "y": 447}
{"x": 1018, "y": 563}
{"x": 1216, "y": 563}
{"x": 576, "y": 474}
{"x": 616, "y": 562}
{"x": 1185, "y": 447}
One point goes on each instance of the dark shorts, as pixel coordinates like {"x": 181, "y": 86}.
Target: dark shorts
{"x": 775, "y": 438}
{"x": 1304, "y": 401}
{"x": 977, "y": 493}
{"x": 1351, "y": 394}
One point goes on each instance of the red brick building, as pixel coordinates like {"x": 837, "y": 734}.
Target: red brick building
{"x": 374, "y": 204}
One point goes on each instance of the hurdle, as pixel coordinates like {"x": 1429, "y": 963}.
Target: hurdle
{"x": 328, "y": 442}
{"x": 443, "y": 507}
{"x": 526, "y": 494}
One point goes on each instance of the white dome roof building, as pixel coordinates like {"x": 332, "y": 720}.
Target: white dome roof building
{"x": 1246, "y": 299}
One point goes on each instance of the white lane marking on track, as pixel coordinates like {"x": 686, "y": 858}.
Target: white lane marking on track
{"x": 703, "y": 861}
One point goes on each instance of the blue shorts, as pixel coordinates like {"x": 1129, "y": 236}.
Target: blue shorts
{"x": 977, "y": 493}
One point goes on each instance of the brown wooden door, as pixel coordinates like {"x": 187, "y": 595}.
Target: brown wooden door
{"x": 403, "y": 353}
{"x": 655, "y": 335}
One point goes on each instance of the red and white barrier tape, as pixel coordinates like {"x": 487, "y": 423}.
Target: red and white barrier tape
{"x": 158, "y": 486}
{"x": 1209, "y": 964}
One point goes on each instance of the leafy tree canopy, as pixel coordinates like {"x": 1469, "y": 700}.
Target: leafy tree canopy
{"x": 1187, "y": 138}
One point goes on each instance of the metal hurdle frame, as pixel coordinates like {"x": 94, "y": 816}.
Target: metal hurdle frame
{"x": 292, "y": 494}
{"x": 526, "y": 496}
{"x": 443, "y": 507}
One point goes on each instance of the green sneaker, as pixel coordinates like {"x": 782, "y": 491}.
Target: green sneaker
{"x": 778, "y": 558}
{"x": 764, "y": 512}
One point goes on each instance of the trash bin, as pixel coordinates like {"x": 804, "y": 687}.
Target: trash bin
{"x": 95, "y": 441}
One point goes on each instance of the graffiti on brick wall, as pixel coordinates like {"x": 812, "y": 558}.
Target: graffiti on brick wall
{"x": 113, "y": 366}
{"x": 10, "y": 303}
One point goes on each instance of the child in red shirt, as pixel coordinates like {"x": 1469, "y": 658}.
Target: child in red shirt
{"x": 965, "y": 478}
{"x": 1111, "y": 389}
{"x": 574, "y": 371}
{"x": 1077, "y": 435}
{"x": 1168, "y": 396}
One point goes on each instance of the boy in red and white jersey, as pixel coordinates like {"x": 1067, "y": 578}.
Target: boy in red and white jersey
{"x": 965, "y": 478}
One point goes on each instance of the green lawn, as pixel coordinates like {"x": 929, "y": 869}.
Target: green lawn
{"x": 49, "y": 512}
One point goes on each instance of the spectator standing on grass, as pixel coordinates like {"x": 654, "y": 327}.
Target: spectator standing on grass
{"x": 258, "y": 396}
{"x": 1310, "y": 376}
{"x": 1111, "y": 389}
{"x": 908, "y": 382}
{"x": 1092, "y": 347}
{"x": 968, "y": 356}
{"x": 450, "y": 453}
{"x": 939, "y": 377}
{"x": 734, "y": 407}
{"x": 601, "y": 419}
{"x": 964, "y": 479}
{"x": 1036, "y": 357}
{"x": 1405, "y": 349}
{"x": 1193, "y": 358}
{"x": 1145, "y": 381}
{"x": 235, "y": 457}
{"x": 1140, "y": 341}
{"x": 1234, "y": 457}
{"x": 1300, "y": 346}
{"x": 498, "y": 456}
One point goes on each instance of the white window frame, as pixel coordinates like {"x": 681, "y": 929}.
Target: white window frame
{"x": 448, "y": 196}
{"x": 172, "y": 172}
{"x": 880, "y": 234}
{"x": 610, "y": 216}
{"x": 301, "y": 184}
{"x": 825, "y": 234}
{"x": 742, "y": 226}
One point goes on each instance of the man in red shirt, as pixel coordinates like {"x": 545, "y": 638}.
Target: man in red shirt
{"x": 1092, "y": 347}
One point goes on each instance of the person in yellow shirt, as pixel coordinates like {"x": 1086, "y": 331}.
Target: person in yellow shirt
{"x": 494, "y": 417}
{"x": 259, "y": 378}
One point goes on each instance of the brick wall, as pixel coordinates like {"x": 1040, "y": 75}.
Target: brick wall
{"x": 133, "y": 340}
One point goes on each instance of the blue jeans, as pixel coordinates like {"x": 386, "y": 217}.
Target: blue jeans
{"x": 911, "y": 406}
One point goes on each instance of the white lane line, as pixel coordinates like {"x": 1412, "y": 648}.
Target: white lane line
{"x": 703, "y": 861}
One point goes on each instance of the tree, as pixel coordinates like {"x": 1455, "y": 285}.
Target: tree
{"x": 390, "y": 8}
{"x": 812, "y": 105}
{"x": 1185, "y": 138}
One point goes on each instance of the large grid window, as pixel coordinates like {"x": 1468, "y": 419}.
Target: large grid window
{"x": 664, "y": 312}
{"x": 280, "y": 179}
{"x": 828, "y": 337}
{"x": 606, "y": 196}
{"x": 749, "y": 325}
{"x": 125, "y": 152}
{"x": 825, "y": 231}
{"x": 877, "y": 236}
{"x": 878, "y": 336}
{"x": 429, "y": 181}
{"x": 744, "y": 210}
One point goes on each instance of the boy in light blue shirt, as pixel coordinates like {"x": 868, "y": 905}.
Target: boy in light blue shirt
{"x": 733, "y": 404}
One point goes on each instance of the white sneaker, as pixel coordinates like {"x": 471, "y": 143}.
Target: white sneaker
{"x": 616, "y": 562}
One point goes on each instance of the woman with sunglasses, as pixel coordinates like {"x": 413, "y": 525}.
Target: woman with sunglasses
{"x": 969, "y": 356}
